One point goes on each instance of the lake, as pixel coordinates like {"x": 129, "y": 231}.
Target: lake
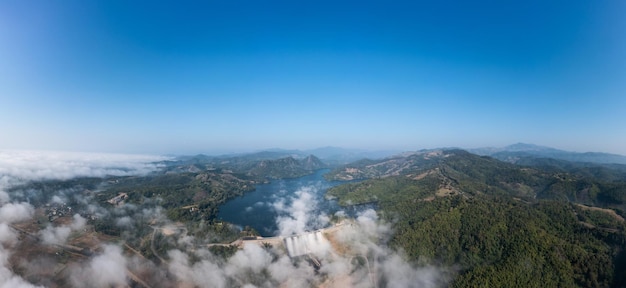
{"x": 296, "y": 202}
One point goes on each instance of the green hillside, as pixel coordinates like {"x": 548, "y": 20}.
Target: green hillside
{"x": 260, "y": 167}
{"x": 498, "y": 224}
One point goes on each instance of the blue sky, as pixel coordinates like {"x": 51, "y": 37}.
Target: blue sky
{"x": 229, "y": 76}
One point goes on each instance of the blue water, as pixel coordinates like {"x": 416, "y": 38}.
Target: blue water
{"x": 256, "y": 208}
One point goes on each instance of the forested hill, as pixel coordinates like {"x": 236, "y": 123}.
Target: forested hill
{"x": 513, "y": 153}
{"x": 191, "y": 189}
{"x": 259, "y": 166}
{"x": 451, "y": 172}
{"x": 288, "y": 167}
{"x": 500, "y": 224}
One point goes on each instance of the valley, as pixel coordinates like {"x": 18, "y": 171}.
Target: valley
{"x": 442, "y": 208}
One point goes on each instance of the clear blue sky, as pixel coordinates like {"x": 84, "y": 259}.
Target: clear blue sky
{"x": 183, "y": 77}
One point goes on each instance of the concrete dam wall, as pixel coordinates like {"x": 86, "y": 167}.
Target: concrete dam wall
{"x": 306, "y": 243}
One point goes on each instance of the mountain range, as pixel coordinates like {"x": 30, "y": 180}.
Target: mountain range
{"x": 517, "y": 152}
{"x": 530, "y": 221}
{"x": 500, "y": 224}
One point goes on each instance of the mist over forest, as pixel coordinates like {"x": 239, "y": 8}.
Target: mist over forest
{"x": 428, "y": 218}
{"x": 312, "y": 144}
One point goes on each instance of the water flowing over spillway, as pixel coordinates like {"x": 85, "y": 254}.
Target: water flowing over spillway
{"x": 306, "y": 243}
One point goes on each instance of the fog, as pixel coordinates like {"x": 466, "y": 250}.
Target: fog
{"x": 188, "y": 262}
{"x": 40, "y": 165}
{"x": 17, "y": 167}
{"x": 300, "y": 214}
{"x": 105, "y": 270}
{"x": 11, "y": 213}
{"x": 58, "y": 235}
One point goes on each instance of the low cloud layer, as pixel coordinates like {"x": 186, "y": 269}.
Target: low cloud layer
{"x": 252, "y": 266}
{"x": 38, "y": 165}
{"x": 355, "y": 255}
{"x": 363, "y": 260}
{"x": 18, "y": 167}
{"x": 59, "y": 234}
{"x": 11, "y": 213}
{"x": 105, "y": 270}
{"x": 298, "y": 213}
{"x": 15, "y": 212}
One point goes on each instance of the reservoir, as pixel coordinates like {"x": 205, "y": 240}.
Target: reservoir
{"x": 298, "y": 202}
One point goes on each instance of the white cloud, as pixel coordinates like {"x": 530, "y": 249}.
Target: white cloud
{"x": 203, "y": 274}
{"x": 298, "y": 216}
{"x": 4, "y": 197}
{"x": 17, "y": 167}
{"x": 57, "y": 199}
{"x": 15, "y": 212}
{"x": 58, "y": 235}
{"x": 38, "y": 165}
{"x": 78, "y": 222}
{"x": 252, "y": 258}
{"x": 254, "y": 266}
{"x": 11, "y": 213}
{"x": 105, "y": 270}
{"x": 55, "y": 235}
{"x": 124, "y": 222}
{"x": 7, "y": 278}
{"x": 389, "y": 266}
{"x": 400, "y": 274}
{"x": 7, "y": 237}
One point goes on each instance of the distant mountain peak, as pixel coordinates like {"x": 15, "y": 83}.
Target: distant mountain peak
{"x": 515, "y": 152}
{"x": 520, "y": 147}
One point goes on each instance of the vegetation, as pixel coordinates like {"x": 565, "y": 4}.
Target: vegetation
{"x": 191, "y": 190}
{"x": 258, "y": 166}
{"x": 376, "y": 190}
{"x": 500, "y": 242}
{"x": 224, "y": 252}
{"x": 548, "y": 223}
{"x": 500, "y": 224}
{"x": 529, "y": 152}
{"x": 463, "y": 173}
{"x": 184, "y": 196}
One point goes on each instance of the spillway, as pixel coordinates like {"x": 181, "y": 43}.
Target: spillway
{"x": 306, "y": 243}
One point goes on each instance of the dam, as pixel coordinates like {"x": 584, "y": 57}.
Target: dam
{"x": 306, "y": 243}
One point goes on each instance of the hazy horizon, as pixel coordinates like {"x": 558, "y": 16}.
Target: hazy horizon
{"x": 61, "y": 154}
{"x": 216, "y": 78}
